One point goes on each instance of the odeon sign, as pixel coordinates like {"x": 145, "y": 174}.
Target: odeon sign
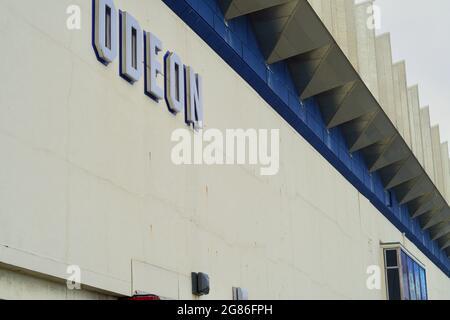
{"x": 119, "y": 34}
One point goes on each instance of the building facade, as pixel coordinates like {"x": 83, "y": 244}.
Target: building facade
{"x": 89, "y": 191}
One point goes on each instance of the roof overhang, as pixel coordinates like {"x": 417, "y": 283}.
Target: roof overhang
{"x": 291, "y": 31}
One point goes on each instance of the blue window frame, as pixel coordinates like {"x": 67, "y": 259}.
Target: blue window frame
{"x": 405, "y": 276}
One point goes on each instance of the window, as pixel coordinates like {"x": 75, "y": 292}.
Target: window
{"x": 405, "y": 276}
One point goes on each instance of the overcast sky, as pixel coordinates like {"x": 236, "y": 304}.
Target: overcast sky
{"x": 420, "y": 35}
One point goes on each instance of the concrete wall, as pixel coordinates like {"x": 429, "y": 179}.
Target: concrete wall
{"x": 386, "y": 78}
{"x": 326, "y": 13}
{"x": 445, "y": 170}
{"x": 339, "y": 17}
{"x": 367, "y": 60}
{"x": 414, "y": 123}
{"x": 438, "y": 169}
{"x": 429, "y": 159}
{"x": 401, "y": 101}
{"x": 372, "y": 57}
{"x": 352, "y": 45}
{"x": 89, "y": 179}
{"x": 344, "y": 30}
{"x": 317, "y": 6}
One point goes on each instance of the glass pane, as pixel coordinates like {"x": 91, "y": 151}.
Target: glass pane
{"x": 423, "y": 284}
{"x": 417, "y": 280}
{"x": 393, "y": 284}
{"x": 405, "y": 276}
{"x": 391, "y": 258}
{"x": 412, "y": 285}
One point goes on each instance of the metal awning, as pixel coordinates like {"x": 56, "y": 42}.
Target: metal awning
{"x": 291, "y": 31}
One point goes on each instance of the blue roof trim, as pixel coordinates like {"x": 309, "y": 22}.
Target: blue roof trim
{"x": 235, "y": 42}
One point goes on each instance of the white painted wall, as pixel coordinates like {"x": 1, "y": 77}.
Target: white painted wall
{"x": 18, "y": 285}
{"x": 89, "y": 179}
